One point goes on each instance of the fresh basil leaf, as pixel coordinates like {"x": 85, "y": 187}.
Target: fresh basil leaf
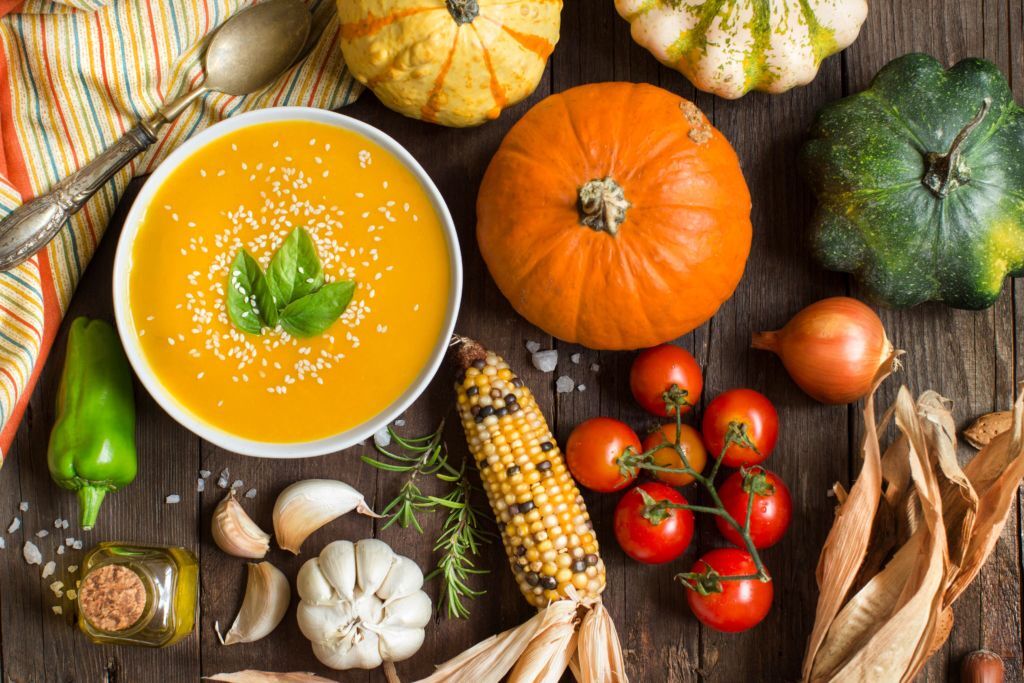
{"x": 295, "y": 270}
{"x": 311, "y": 315}
{"x": 248, "y": 294}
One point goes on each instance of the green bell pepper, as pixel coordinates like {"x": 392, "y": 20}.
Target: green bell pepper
{"x": 92, "y": 445}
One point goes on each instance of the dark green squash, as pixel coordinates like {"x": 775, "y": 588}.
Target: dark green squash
{"x": 920, "y": 183}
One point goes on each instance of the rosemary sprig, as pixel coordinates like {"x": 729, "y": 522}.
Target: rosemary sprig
{"x": 461, "y": 536}
{"x": 459, "y": 541}
{"x": 423, "y": 455}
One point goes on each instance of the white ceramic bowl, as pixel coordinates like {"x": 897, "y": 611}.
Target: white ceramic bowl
{"x": 122, "y": 310}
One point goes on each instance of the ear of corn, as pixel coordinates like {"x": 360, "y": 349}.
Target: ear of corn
{"x": 544, "y": 524}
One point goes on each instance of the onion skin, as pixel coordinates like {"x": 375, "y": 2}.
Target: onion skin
{"x": 833, "y": 349}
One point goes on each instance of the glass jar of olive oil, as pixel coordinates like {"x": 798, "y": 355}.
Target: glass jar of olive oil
{"x": 137, "y": 594}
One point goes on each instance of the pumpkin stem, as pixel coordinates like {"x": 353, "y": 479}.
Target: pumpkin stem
{"x": 603, "y": 205}
{"x": 463, "y": 11}
{"x": 945, "y": 173}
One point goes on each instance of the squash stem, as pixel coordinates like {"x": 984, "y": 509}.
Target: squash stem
{"x": 603, "y": 205}
{"x": 944, "y": 172}
{"x": 463, "y": 11}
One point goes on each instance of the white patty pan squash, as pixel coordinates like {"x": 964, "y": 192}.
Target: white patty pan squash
{"x": 361, "y": 605}
{"x": 454, "y": 62}
{"x": 730, "y": 47}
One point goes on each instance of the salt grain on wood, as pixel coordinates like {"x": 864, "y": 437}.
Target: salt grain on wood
{"x": 31, "y": 553}
{"x": 564, "y": 384}
{"x": 545, "y": 361}
{"x": 172, "y": 499}
{"x": 14, "y": 525}
{"x": 49, "y": 568}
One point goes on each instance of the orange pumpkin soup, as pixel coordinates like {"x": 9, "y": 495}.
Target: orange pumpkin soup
{"x": 371, "y": 222}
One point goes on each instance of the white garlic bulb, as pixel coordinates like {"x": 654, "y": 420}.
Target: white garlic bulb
{"x": 361, "y": 605}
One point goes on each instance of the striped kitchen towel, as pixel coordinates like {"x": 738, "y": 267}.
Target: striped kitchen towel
{"x": 74, "y": 76}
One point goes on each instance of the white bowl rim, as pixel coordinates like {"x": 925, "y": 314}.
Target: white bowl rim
{"x": 133, "y": 349}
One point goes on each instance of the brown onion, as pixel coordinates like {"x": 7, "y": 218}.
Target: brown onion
{"x": 833, "y": 349}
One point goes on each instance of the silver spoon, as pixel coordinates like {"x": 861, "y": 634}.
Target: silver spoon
{"x": 246, "y": 54}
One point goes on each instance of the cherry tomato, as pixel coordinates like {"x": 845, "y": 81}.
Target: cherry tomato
{"x": 658, "y": 370}
{"x": 653, "y": 535}
{"x": 739, "y": 605}
{"x": 593, "y": 449}
{"x": 770, "y": 515}
{"x": 689, "y": 439}
{"x": 758, "y": 418}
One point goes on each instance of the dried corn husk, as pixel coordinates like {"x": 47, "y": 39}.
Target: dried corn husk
{"x": 539, "y": 650}
{"x": 910, "y": 536}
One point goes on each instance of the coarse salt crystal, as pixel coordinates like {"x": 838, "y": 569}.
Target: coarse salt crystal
{"x": 57, "y": 609}
{"x": 14, "y": 525}
{"x": 237, "y": 484}
{"x": 77, "y": 545}
{"x": 57, "y": 522}
{"x": 69, "y": 541}
{"x": 49, "y": 568}
{"x": 203, "y": 474}
{"x": 545, "y": 361}
{"x": 251, "y": 493}
{"x": 575, "y": 358}
{"x": 60, "y": 550}
{"x": 581, "y": 387}
{"x": 399, "y": 423}
{"x": 64, "y": 524}
{"x": 3, "y": 544}
{"x": 58, "y": 588}
{"x": 532, "y": 346}
{"x": 564, "y": 384}
{"x": 172, "y": 499}
{"x": 222, "y": 480}
{"x": 200, "y": 485}
{"x": 42, "y": 533}
{"x": 72, "y": 569}
{"x": 71, "y": 594}
{"x": 382, "y": 438}
{"x": 594, "y": 367}
{"x": 31, "y": 553}
{"x": 23, "y": 506}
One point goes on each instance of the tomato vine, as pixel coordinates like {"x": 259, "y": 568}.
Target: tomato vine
{"x": 631, "y": 461}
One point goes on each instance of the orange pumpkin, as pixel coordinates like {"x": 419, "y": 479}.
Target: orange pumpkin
{"x": 615, "y": 215}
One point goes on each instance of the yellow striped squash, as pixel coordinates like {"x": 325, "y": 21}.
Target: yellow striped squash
{"x": 453, "y": 62}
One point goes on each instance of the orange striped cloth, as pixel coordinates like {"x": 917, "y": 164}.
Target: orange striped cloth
{"x": 76, "y": 74}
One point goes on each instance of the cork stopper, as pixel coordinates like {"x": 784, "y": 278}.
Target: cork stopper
{"x": 112, "y": 598}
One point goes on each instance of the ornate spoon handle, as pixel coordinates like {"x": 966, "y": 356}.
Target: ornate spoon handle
{"x": 31, "y": 226}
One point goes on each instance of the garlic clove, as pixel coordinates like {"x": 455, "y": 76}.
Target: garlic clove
{"x": 405, "y": 578}
{"x": 411, "y": 611}
{"x": 312, "y": 585}
{"x": 319, "y": 622}
{"x": 373, "y": 562}
{"x": 251, "y": 676}
{"x": 338, "y": 564}
{"x": 398, "y": 643}
{"x": 267, "y": 595}
{"x": 235, "y": 533}
{"x": 307, "y": 505}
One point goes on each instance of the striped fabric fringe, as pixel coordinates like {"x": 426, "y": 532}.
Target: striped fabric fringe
{"x": 74, "y": 76}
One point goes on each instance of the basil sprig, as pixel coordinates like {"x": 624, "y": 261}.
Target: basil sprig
{"x": 292, "y": 292}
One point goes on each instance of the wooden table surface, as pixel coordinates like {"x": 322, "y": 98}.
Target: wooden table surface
{"x": 973, "y": 358}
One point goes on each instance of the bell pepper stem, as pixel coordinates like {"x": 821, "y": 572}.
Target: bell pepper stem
{"x": 89, "y": 500}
